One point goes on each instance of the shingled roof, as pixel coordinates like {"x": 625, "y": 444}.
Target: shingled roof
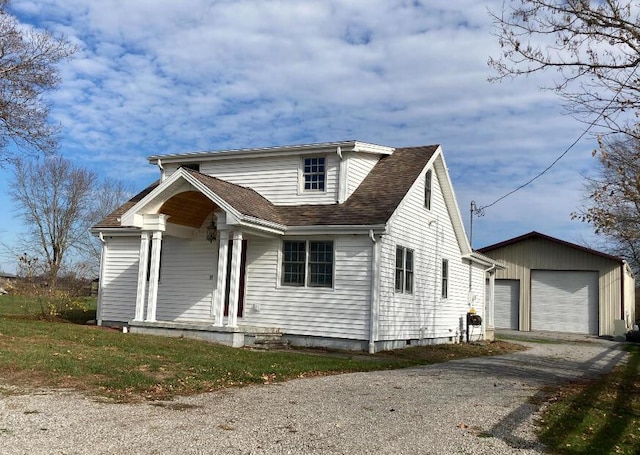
{"x": 372, "y": 203}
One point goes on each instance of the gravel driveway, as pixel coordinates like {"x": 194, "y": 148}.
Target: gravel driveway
{"x": 473, "y": 406}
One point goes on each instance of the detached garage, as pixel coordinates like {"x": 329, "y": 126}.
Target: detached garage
{"x": 550, "y": 284}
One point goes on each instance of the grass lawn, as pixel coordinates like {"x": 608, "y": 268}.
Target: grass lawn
{"x": 600, "y": 417}
{"x": 130, "y": 367}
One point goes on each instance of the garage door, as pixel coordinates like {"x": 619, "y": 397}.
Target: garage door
{"x": 506, "y": 304}
{"x": 564, "y": 301}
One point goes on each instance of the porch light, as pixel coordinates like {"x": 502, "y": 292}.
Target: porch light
{"x": 212, "y": 231}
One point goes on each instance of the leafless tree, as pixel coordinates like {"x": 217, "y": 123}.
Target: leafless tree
{"x": 54, "y": 197}
{"x": 613, "y": 197}
{"x": 28, "y": 60}
{"x": 107, "y": 196}
{"x": 593, "y": 46}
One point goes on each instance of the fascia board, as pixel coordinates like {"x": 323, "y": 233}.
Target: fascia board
{"x": 378, "y": 229}
{"x": 127, "y": 217}
{"x": 452, "y": 204}
{"x": 306, "y": 149}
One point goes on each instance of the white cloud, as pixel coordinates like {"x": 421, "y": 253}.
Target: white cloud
{"x": 158, "y": 76}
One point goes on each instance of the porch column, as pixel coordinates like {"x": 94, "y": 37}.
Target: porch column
{"x": 234, "y": 285}
{"x": 154, "y": 276}
{"x": 142, "y": 276}
{"x": 221, "y": 286}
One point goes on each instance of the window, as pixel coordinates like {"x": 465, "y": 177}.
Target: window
{"x": 404, "y": 270}
{"x": 427, "y": 190}
{"x": 445, "y": 278}
{"x": 293, "y": 263}
{"x": 307, "y": 263}
{"x": 314, "y": 174}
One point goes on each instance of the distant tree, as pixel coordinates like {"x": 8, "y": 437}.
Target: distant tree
{"x": 592, "y": 46}
{"x": 28, "y": 60}
{"x": 107, "y": 196}
{"x": 613, "y": 197}
{"x": 59, "y": 203}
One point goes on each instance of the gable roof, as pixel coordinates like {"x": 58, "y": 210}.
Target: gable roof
{"x": 537, "y": 235}
{"x": 372, "y": 203}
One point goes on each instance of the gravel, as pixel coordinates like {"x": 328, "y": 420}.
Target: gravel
{"x": 473, "y": 406}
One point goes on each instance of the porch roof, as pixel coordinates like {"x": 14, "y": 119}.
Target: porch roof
{"x": 372, "y": 203}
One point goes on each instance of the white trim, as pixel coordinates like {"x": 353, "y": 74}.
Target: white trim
{"x": 336, "y": 229}
{"x": 343, "y": 176}
{"x": 234, "y": 284}
{"x": 307, "y": 274}
{"x": 103, "y": 260}
{"x": 327, "y": 147}
{"x": 375, "y": 293}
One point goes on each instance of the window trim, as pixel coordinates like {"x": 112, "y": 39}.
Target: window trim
{"x": 444, "y": 293}
{"x": 302, "y": 175}
{"x": 307, "y": 280}
{"x": 404, "y": 271}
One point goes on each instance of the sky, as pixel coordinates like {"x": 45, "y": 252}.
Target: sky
{"x": 161, "y": 76}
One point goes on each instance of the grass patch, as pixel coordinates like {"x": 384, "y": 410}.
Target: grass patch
{"x": 132, "y": 367}
{"x": 600, "y": 417}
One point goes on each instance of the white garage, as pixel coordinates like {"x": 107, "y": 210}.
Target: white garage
{"x": 564, "y": 301}
{"x": 506, "y": 304}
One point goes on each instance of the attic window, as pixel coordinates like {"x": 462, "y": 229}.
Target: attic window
{"x": 315, "y": 174}
{"x": 192, "y": 166}
{"x": 427, "y": 190}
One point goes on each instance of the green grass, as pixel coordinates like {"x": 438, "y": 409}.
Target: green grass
{"x": 600, "y": 417}
{"x": 127, "y": 367}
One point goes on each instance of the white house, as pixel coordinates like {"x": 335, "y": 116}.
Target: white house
{"x": 346, "y": 244}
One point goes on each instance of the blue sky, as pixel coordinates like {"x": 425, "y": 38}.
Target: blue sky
{"x": 160, "y": 76}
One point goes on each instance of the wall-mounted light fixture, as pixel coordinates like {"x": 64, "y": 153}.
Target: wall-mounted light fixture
{"x": 212, "y": 231}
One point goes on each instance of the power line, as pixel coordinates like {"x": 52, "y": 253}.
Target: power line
{"x": 480, "y": 211}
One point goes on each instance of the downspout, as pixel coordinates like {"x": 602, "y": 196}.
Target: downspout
{"x": 101, "y": 278}
{"x": 162, "y": 173}
{"x": 375, "y": 291}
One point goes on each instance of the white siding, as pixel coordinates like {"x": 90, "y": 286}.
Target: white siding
{"x": 360, "y": 164}
{"x": 187, "y": 279}
{"x": 341, "y": 312}
{"x": 120, "y": 279}
{"x": 275, "y": 178}
{"x": 425, "y": 313}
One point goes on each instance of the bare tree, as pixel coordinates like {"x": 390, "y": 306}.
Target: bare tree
{"x": 613, "y": 204}
{"x": 28, "y": 60}
{"x": 107, "y": 196}
{"x": 593, "y": 46}
{"x": 54, "y": 197}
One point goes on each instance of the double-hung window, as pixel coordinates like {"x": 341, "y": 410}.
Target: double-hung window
{"x": 404, "y": 270}
{"x": 307, "y": 263}
{"x": 314, "y": 173}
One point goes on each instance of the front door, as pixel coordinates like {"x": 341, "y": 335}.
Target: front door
{"x": 243, "y": 271}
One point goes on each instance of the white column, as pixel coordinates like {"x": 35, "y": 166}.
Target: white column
{"x": 142, "y": 276}
{"x": 234, "y": 285}
{"x": 221, "y": 287}
{"x": 154, "y": 276}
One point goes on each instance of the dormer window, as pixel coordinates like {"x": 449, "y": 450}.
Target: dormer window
{"x": 315, "y": 174}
